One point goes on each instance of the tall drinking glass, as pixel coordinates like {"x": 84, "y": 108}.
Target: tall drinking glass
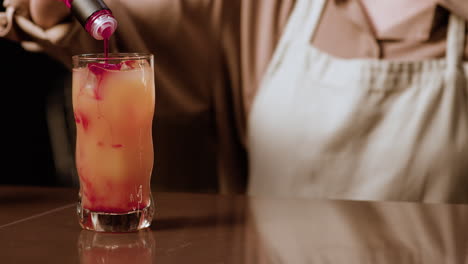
{"x": 113, "y": 104}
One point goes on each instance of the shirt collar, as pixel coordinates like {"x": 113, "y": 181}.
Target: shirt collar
{"x": 416, "y": 26}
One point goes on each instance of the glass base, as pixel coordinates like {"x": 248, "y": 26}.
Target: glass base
{"x": 109, "y": 222}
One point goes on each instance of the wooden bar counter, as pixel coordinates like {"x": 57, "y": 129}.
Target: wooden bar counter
{"x": 39, "y": 225}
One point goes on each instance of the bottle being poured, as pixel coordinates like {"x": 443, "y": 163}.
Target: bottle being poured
{"x": 95, "y": 17}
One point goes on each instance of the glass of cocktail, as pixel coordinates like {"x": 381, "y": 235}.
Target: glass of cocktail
{"x": 113, "y": 104}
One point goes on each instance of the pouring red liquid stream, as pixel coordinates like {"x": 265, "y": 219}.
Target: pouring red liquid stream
{"x": 106, "y": 48}
{"x": 106, "y": 34}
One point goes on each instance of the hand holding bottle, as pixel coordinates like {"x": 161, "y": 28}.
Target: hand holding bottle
{"x": 94, "y": 15}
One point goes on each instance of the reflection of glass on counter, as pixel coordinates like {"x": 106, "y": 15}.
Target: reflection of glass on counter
{"x": 304, "y": 231}
{"x": 116, "y": 248}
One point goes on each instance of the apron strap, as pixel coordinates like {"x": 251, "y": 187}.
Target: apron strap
{"x": 312, "y": 12}
{"x": 455, "y": 42}
{"x": 303, "y": 21}
{"x": 299, "y": 29}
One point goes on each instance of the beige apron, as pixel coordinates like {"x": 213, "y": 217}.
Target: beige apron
{"x": 325, "y": 127}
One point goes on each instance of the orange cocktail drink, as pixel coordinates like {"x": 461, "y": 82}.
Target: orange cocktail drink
{"x": 113, "y": 104}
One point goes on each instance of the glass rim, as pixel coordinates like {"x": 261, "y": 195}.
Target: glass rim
{"x": 112, "y": 56}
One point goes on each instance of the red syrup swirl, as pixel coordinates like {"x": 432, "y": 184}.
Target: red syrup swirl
{"x": 99, "y": 70}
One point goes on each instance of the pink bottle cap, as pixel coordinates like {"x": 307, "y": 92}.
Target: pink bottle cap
{"x": 101, "y": 25}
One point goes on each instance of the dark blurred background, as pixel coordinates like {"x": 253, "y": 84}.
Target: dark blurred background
{"x": 33, "y": 90}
